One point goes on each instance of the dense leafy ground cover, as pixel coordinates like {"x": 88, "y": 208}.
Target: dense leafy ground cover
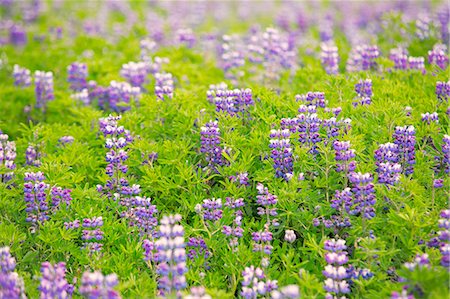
{"x": 387, "y": 218}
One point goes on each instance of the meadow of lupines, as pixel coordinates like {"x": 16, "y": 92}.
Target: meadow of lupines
{"x": 254, "y": 149}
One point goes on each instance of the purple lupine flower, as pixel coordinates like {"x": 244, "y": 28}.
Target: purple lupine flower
{"x": 344, "y": 157}
{"x": 403, "y": 295}
{"x": 234, "y": 231}
{"x": 22, "y": 76}
{"x": 32, "y": 156}
{"x": 198, "y": 293}
{"x": 330, "y": 58}
{"x": 17, "y": 35}
{"x": 335, "y": 272}
{"x": 240, "y": 178}
{"x": 212, "y": 209}
{"x": 43, "y": 82}
{"x": 94, "y": 285}
{"x": 154, "y": 65}
{"x": 443, "y": 20}
{"x": 254, "y": 283}
{"x": 35, "y": 195}
{"x": 77, "y": 76}
{"x": 142, "y": 215}
{"x": 408, "y": 110}
{"x": 7, "y": 157}
{"x": 335, "y": 128}
{"x": 316, "y": 99}
{"x": 72, "y": 225}
{"x": 11, "y": 285}
{"x": 66, "y": 140}
{"x": 416, "y": 63}
{"x": 262, "y": 239}
{"x": 364, "y": 195}
{"x": 135, "y": 73}
{"x": 281, "y": 153}
{"x": 430, "y": 117}
{"x": 117, "y": 141}
{"x": 288, "y": 292}
{"x": 196, "y": 247}
{"x": 82, "y": 97}
{"x": 59, "y": 195}
{"x": 308, "y": 127}
{"x": 171, "y": 257}
{"x": 92, "y": 233}
{"x": 121, "y": 95}
{"x": 362, "y": 58}
{"x": 290, "y": 236}
{"x": 443, "y": 91}
{"x": 423, "y": 26}
{"x": 405, "y": 139}
{"x": 271, "y": 49}
{"x": 446, "y": 153}
{"x": 210, "y": 145}
{"x": 400, "y": 58}
{"x": 439, "y": 56}
{"x": 163, "y": 86}
{"x": 231, "y": 58}
{"x": 364, "y": 91}
{"x": 387, "y": 158}
{"x": 234, "y": 102}
{"x": 444, "y": 237}
{"x": 147, "y": 46}
{"x": 438, "y": 183}
{"x": 53, "y": 281}
{"x": 214, "y": 89}
{"x": 185, "y": 36}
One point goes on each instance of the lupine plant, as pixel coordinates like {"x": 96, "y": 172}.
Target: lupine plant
{"x": 7, "y": 158}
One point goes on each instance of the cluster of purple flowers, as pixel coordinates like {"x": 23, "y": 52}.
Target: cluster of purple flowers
{"x": 430, "y": 117}
{"x": 387, "y": 159}
{"x": 364, "y": 91}
{"x": 241, "y": 178}
{"x": 416, "y": 63}
{"x": 308, "y": 126}
{"x": 362, "y": 58}
{"x": 446, "y": 153}
{"x": 58, "y": 195}
{"x": 281, "y": 153}
{"x": 22, "y": 76}
{"x": 35, "y": 195}
{"x": 336, "y": 274}
{"x": 77, "y": 76}
{"x": 423, "y": 23}
{"x": 94, "y": 285}
{"x": 91, "y": 234}
{"x": 33, "y": 155}
{"x": 316, "y": 99}
{"x": 235, "y": 102}
{"x": 344, "y": 157}
{"x": 53, "y": 282}
{"x": 364, "y": 195}
{"x": 198, "y": 293}
{"x": 212, "y": 209}
{"x": 197, "y": 248}
{"x": 210, "y": 145}
{"x": 330, "y": 58}
{"x": 254, "y": 283}
{"x": 400, "y": 58}
{"x": 117, "y": 141}
{"x": 444, "y": 237}
{"x": 420, "y": 261}
{"x": 43, "y": 82}
{"x": 235, "y": 230}
{"x": 121, "y": 94}
{"x": 231, "y": 58}
{"x": 272, "y": 50}
{"x": 186, "y": 36}
{"x": 439, "y": 56}
{"x": 17, "y": 35}
{"x": 147, "y": 47}
{"x": 262, "y": 239}
{"x": 7, "y": 157}
{"x": 135, "y": 73}
{"x": 171, "y": 257}
{"x": 141, "y": 214}
{"x": 64, "y": 140}
{"x": 443, "y": 91}
{"x": 11, "y": 284}
{"x": 337, "y": 222}
{"x": 405, "y": 139}
{"x": 163, "y": 86}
